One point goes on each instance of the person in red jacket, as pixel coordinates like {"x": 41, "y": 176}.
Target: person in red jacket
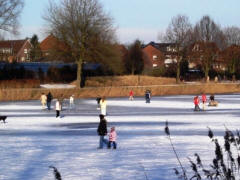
{"x": 131, "y": 95}
{"x": 204, "y": 101}
{"x": 196, "y": 103}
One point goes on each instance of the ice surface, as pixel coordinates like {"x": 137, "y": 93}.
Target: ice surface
{"x": 33, "y": 139}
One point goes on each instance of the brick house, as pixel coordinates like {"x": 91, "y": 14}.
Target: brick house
{"x": 159, "y": 54}
{"x": 15, "y": 50}
{"x": 54, "y": 50}
{"x": 200, "y": 50}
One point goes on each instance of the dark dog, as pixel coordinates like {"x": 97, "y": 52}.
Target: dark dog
{"x": 3, "y": 118}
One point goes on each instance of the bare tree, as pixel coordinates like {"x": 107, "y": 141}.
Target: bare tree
{"x": 232, "y": 35}
{"x": 232, "y": 58}
{"x": 9, "y": 14}
{"x": 83, "y": 26}
{"x": 179, "y": 33}
{"x": 210, "y": 36}
{"x": 206, "y": 30}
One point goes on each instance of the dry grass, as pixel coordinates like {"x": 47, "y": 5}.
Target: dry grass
{"x": 104, "y": 81}
{"x": 23, "y": 83}
{"x": 91, "y": 92}
{"x": 120, "y": 86}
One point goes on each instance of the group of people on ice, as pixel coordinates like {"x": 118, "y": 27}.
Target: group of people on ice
{"x": 196, "y": 102}
{"x": 102, "y": 127}
{"x": 102, "y": 132}
{"x": 47, "y": 99}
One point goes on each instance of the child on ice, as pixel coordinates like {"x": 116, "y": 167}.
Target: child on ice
{"x": 112, "y": 138}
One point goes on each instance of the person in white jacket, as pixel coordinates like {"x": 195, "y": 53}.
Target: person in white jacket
{"x": 58, "y": 108}
{"x": 103, "y": 106}
{"x": 71, "y": 101}
{"x": 43, "y": 100}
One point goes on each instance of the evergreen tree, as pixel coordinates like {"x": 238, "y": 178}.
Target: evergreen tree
{"x": 35, "y": 51}
{"x": 134, "y": 62}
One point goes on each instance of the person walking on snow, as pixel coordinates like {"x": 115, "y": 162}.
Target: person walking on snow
{"x": 43, "y": 100}
{"x": 112, "y": 138}
{"x": 204, "y": 101}
{"x": 131, "y": 95}
{"x": 103, "y": 106}
{"x": 102, "y": 131}
{"x": 58, "y": 108}
{"x": 49, "y": 99}
{"x": 196, "y": 103}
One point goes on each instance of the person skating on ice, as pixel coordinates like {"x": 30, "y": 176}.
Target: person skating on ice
{"x": 148, "y": 96}
{"x": 103, "y": 106}
{"x": 102, "y": 131}
{"x": 131, "y": 95}
{"x": 98, "y": 99}
{"x": 196, "y": 103}
{"x": 49, "y": 100}
{"x": 112, "y": 138}
{"x": 58, "y": 108}
{"x": 204, "y": 101}
{"x": 43, "y": 100}
{"x": 71, "y": 102}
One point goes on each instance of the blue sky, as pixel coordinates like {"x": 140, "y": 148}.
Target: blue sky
{"x": 142, "y": 19}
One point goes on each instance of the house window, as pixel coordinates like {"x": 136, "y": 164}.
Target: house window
{"x": 23, "y": 59}
{"x": 25, "y": 51}
{"x": 155, "y": 57}
{"x": 155, "y": 65}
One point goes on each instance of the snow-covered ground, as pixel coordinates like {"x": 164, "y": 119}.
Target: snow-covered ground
{"x": 57, "y": 86}
{"x": 33, "y": 139}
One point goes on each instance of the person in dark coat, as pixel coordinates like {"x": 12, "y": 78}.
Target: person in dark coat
{"x": 98, "y": 102}
{"x": 49, "y": 99}
{"x": 102, "y": 131}
{"x": 148, "y": 96}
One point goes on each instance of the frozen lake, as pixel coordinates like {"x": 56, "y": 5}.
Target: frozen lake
{"x": 33, "y": 139}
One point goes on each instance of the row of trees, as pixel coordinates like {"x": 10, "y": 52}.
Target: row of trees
{"x": 206, "y": 32}
{"x": 90, "y": 36}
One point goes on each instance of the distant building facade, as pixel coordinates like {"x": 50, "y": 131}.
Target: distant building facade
{"x": 159, "y": 54}
{"x": 200, "y": 51}
{"x": 15, "y": 50}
